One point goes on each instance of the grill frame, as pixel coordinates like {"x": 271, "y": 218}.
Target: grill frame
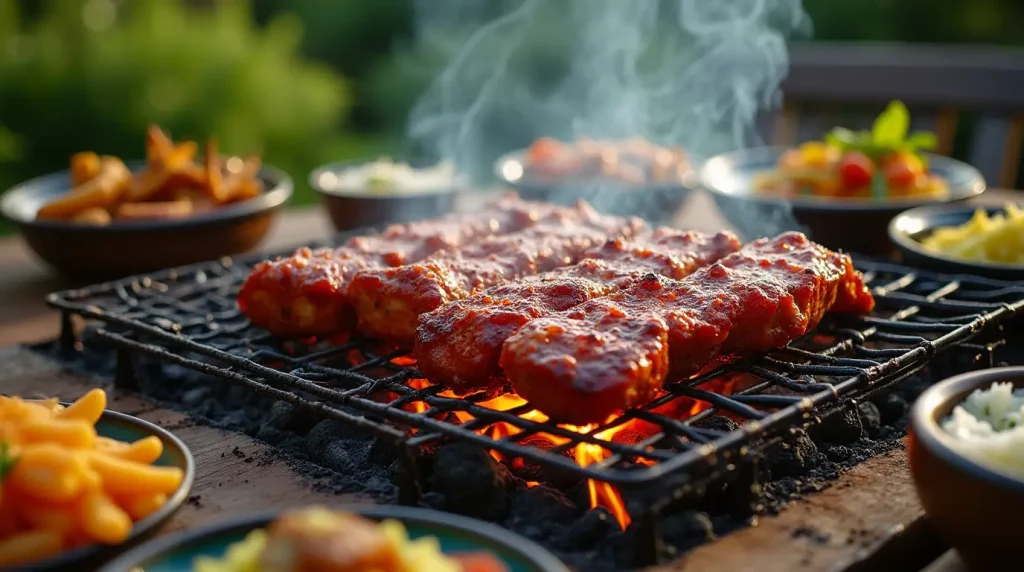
{"x": 709, "y": 452}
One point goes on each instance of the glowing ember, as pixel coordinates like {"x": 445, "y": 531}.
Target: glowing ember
{"x": 601, "y": 494}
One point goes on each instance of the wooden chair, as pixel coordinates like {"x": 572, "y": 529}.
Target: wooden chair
{"x": 948, "y": 89}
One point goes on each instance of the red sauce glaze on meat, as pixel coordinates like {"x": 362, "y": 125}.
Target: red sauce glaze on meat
{"x": 306, "y": 294}
{"x": 459, "y": 344}
{"x": 615, "y": 352}
{"x": 389, "y": 301}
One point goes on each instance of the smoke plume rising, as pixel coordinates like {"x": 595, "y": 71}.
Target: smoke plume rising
{"x": 693, "y": 73}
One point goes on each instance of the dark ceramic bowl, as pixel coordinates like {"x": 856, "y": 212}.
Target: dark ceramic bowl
{"x": 455, "y": 534}
{"x": 127, "y": 428}
{"x": 848, "y": 224}
{"x": 657, "y": 203}
{"x": 909, "y": 228}
{"x": 357, "y": 208}
{"x": 84, "y": 252}
{"x": 976, "y": 509}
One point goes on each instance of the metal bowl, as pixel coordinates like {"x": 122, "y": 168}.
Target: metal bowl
{"x": 856, "y": 225}
{"x": 351, "y": 209}
{"x": 455, "y": 534}
{"x": 910, "y": 227}
{"x": 658, "y": 203}
{"x": 127, "y": 428}
{"x": 976, "y": 509}
{"x": 89, "y": 253}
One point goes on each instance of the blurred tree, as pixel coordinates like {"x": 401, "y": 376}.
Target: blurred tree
{"x": 91, "y": 74}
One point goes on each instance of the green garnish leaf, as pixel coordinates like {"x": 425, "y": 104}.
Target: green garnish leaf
{"x": 879, "y": 187}
{"x": 7, "y": 460}
{"x": 921, "y": 140}
{"x": 891, "y": 126}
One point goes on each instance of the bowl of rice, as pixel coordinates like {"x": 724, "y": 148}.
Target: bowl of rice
{"x": 967, "y": 459}
{"x": 357, "y": 538}
{"x": 383, "y": 191}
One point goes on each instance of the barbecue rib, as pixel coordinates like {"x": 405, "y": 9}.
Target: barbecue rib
{"x": 615, "y": 352}
{"x": 458, "y": 344}
{"x": 306, "y": 294}
{"x": 389, "y": 301}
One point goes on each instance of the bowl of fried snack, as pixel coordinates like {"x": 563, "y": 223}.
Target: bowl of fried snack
{"x": 841, "y": 190}
{"x": 982, "y": 241}
{"x": 104, "y": 218}
{"x": 350, "y": 538}
{"x": 80, "y": 483}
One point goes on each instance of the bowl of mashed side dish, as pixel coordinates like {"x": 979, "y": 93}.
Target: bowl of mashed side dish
{"x": 967, "y": 459}
{"x": 371, "y": 193}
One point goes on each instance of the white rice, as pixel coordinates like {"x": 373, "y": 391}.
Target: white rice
{"x": 988, "y": 428}
{"x": 387, "y": 177}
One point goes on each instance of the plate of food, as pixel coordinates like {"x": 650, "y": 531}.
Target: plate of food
{"x": 631, "y": 177}
{"x": 105, "y": 217}
{"x": 966, "y": 451}
{"x": 79, "y": 482}
{"x": 983, "y": 241}
{"x": 844, "y": 189}
{"x": 358, "y": 537}
{"x": 369, "y": 193}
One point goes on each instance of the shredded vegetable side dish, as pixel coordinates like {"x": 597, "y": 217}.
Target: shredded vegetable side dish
{"x": 63, "y": 486}
{"x": 998, "y": 238}
{"x": 880, "y": 164}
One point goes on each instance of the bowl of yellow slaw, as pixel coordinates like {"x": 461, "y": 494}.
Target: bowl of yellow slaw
{"x": 981, "y": 241}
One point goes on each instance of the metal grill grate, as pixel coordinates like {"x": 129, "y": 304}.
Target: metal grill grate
{"x": 189, "y": 316}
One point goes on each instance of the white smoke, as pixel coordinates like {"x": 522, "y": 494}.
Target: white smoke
{"x": 693, "y": 73}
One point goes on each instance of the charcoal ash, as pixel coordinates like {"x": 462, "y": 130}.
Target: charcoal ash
{"x": 472, "y": 482}
{"x": 794, "y": 457}
{"x": 686, "y": 530}
{"x": 891, "y": 407}
{"x": 540, "y": 512}
{"x": 841, "y": 428}
{"x": 870, "y": 418}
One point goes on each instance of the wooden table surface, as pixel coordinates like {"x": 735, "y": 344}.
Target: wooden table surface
{"x": 849, "y": 513}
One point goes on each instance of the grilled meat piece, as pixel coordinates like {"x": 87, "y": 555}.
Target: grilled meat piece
{"x": 389, "y": 301}
{"x": 459, "y": 344}
{"x": 615, "y": 352}
{"x": 306, "y": 294}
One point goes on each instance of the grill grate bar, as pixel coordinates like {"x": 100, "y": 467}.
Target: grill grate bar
{"x": 188, "y": 316}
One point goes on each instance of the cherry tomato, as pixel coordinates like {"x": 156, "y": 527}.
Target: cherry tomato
{"x": 903, "y": 169}
{"x": 856, "y": 170}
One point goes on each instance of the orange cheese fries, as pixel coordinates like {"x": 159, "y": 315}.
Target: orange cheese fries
{"x": 63, "y": 486}
{"x": 172, "y": 185}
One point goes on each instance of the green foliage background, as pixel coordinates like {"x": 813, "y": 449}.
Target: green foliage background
{"x": 302, "y": 81}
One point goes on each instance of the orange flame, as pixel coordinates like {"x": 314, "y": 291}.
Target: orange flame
{"x": 601, "y": 494}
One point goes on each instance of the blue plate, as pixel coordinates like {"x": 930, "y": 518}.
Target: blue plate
{"x": 127, "y": 428}
{"x": 911, "y": 227}
{"x": 857, "y": 225}
{"x": 455, "y": 533}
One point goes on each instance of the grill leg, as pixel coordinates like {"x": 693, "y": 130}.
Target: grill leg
{"x": 648, "y": 547}
{"x": 409, "y": 483}
{"x": 68, "y": 339}
{"x": 124, "y": 376}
